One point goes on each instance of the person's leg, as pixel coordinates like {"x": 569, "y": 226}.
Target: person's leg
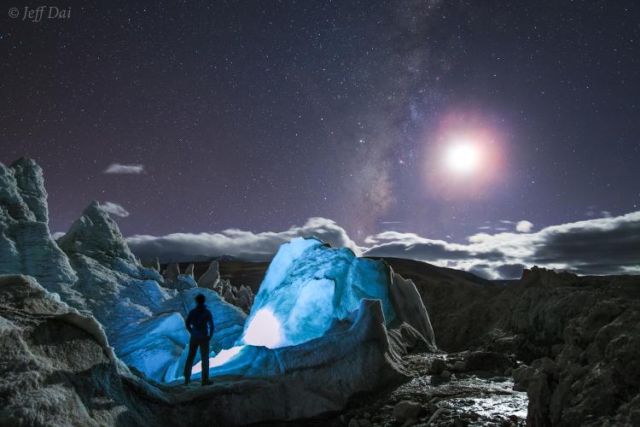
{"x": 204, "y": 354}
{"x": 193, "y": 346}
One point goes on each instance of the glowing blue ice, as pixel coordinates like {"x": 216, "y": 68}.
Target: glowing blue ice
{"x": 220, "y": 359}
{"x": 265, "y": 330}
{"x": 307, "y": 287}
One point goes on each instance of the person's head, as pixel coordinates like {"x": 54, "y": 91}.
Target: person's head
{"x": 200, "y": 299}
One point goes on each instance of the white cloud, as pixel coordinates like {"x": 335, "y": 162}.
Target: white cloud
{"x": 118, "y": 168}
{"x": 233, "y": 242}
{"x": 114, "y": 209}
{"x": 393, "y": 243}
{"x": 524, "y": 226}
{"x": 606, "y": 245}
{"x": 596, "y": 246}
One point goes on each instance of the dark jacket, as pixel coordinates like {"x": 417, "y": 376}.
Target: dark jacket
{"x": 200, "y": 323}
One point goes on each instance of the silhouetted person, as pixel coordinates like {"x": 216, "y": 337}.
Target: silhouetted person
{"x": 200, "y": 325}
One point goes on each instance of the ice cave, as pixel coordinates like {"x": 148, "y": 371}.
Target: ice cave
{"x": 307, "y": 288}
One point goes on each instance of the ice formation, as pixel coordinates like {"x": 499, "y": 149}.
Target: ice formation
{"x": 321, "y": 316}
{"x": 310, "y": 292}
{"x": 25, "y": 243}
{"x": 310, "y": 296}
{"x": 143, "y": 319}
{"x": 64, "y": 372}
{"x": 92, "y": 269}
{"x": 307, "y": 287}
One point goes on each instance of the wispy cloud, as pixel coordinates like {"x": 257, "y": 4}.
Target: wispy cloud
{"x": 115, "y": 209}
{"x": 118, "y": 168}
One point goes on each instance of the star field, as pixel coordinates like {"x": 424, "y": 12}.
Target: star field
{"x": 260, "y": 114}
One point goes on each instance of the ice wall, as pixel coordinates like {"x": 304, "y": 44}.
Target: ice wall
{"x": 26, "y": 246}
{"x": 310, "y": 293}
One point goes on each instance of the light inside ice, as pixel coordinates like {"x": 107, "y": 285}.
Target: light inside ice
{"x": 263, "y": 330}
{"x": 219, "y": 359}
{"x": 306, "y": 289}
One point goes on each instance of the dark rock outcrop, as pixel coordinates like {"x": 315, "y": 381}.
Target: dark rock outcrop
{"x": 579, "y": 337}
{"x": 57, "y": 368}
{"x": 584, "y": 336}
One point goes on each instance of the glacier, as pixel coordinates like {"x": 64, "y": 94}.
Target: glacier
{"x": 322, "y": 316}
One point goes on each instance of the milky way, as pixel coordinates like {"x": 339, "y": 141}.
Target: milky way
{"x": 261, "y": 114}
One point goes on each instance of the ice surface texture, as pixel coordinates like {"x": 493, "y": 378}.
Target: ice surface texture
{"x": 307, "y": 287}
{"x": 143, "y": 319}
{"x": 312, "y": 298}
{"x": 25, "y": 243}
{"x": 92, "y": 269}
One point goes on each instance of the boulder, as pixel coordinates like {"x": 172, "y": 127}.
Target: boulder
{"x": 56, "y": 367}
{"x": 407, "y": 412}
{"x": 437, "y": 366}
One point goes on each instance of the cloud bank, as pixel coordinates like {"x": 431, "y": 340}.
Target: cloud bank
{"x": 118, "y": 168}
{"x": 236, "y": 243}
{"x": 609, "y": 245}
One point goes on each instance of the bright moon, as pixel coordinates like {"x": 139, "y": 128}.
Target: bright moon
{"x": 463, "y": 157}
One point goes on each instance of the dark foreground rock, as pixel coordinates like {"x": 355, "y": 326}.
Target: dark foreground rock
{"x": 56, "y": 366}
{"x": 579, "y": 337}
{"x": 588, "y": 334}
{"x": 476, "y": 399}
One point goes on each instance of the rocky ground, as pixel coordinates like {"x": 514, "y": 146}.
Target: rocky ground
{"x": 577, "y": 340}
{"x": 571, "y": 343}
{"x": 444, "y": 393}
{"x": 460, "y": 389}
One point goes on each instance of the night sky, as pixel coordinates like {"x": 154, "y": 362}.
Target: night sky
{"x": 260, "y": 114}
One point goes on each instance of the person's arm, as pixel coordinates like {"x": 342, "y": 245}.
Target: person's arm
{"x": 210, "y": 324}
{"x": 188, "y": 322}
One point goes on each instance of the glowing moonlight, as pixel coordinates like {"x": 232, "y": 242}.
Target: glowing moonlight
{"x": 463, "y": 157}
